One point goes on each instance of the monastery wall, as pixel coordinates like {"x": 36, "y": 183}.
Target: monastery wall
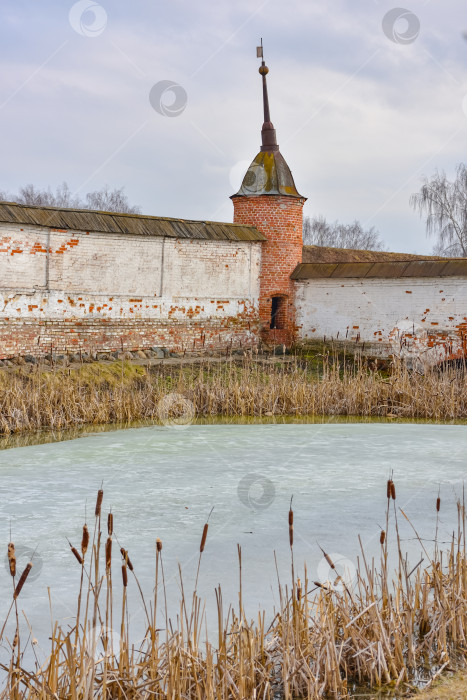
{"x": 70, "y": 290}
{"x": 423, "y": 318}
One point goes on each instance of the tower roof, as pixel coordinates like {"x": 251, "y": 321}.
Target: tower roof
{"x": 268, "y": 173}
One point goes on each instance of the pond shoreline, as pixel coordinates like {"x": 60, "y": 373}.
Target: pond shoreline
{"x": 49, "y": 435}
{"x": 324, "y": 638}
{"x": 163, "y": 482}
{"x": 124, "y": 392}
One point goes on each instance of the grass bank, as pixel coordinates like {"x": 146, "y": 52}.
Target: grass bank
{"x": 454, "y": 688}
{"x": 365, "y": 628}
{"x": 33, "y": 398}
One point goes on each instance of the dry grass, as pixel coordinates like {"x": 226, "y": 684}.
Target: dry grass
{"x": 122, "y": 392}
{"x": 454, "y": 688}
{"x": 380, "y": 629}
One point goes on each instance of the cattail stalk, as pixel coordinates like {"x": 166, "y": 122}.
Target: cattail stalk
{"x": 108, "y": 554}
{"x": 22, "y": 580}
{"x": 291, "y": 526}
{"x": 12, "y": 559}
{"x": 78, "y": 556}
{"x": 100, "y": 496}
{"x": 126, "y": 558}
{"x": 203, "y": 538}
{"x": 85, "y": 540}
{"x": 110, "y": 524}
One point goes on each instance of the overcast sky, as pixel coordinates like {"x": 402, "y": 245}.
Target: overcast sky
{"x": 362, "y": 111}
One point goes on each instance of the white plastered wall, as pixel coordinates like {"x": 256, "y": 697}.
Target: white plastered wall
{"x": 426, "y": 317}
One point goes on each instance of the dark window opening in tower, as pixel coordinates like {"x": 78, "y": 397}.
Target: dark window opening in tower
{"x": 278, "y": 312}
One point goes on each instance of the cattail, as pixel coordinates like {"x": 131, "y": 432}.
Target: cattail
{"x": 126, "y": 558}
{"x": 320, "y": 585}
{"x": 393, "y": 491}
{"x": 110, "y": 524}
{"x": 438, "y": 504}
{"x": 203, "y": 538}
{"x": 22, "y": 580}
{"x": 388, "y": 488}
{"x": 291, "y": 526}
{"x": 85, "y": 540}
{"x": 124, "y": 576}
{"x": 299, "y": 590}
{"x": 159, "y": 545}
{"x": 329, "y": 560}
{"x": 15, "y": 641}
{"x": 382, "y": 537}
{"x": 12, "y": 558}
{"x": 108, "y": 553}
{"x": 100, "y": 496}
{"x": 76, "y": 553}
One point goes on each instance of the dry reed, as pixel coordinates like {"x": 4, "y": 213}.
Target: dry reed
{"x": 121, "y": 392}
{"x": 322, "y": 642}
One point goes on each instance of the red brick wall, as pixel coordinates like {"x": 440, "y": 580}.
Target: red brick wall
{"x": 35, "y": 337}
{"x": 280, "y": 219}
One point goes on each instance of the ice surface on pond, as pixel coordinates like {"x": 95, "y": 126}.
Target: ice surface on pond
{"x": 163, "y": 482}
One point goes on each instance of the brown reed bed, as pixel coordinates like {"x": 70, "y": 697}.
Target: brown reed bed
{"x": 379, "y": 629}
{"x": 122, "y": 392}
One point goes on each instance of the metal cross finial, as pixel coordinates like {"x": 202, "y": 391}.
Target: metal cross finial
{"x": 259, "y": 51}
{"x": 268, "y": 134}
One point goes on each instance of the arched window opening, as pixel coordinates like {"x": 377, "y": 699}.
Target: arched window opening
{"x": 278, "y": 312}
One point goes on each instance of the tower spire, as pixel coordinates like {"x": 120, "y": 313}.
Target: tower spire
{"x": 268, "y": 133}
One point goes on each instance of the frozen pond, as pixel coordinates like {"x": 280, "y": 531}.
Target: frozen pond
{"x": 163, "y": 482}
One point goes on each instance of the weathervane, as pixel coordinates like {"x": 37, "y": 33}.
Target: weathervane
{"x": 259, "y": 50}
{"x": 267, "y": 132}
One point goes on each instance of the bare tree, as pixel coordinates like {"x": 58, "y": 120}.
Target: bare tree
{"x": 444, "y": 203}
{"x": 62, "y": 197}
{"x": 110, "y": 200}
{"x": 104, "y": 200}
{"x": 318, "y": 231}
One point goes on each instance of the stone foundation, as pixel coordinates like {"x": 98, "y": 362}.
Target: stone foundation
{"x": 31, "y": 337}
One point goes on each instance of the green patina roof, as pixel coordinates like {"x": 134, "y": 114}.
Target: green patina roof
{"x": 268, "y": 174}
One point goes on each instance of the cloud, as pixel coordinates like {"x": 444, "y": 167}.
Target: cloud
{"x": 359, "y": 117}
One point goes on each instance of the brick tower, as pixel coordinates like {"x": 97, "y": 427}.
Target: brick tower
{"x": 269, "y": 200}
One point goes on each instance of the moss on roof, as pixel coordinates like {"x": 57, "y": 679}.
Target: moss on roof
{"x": 324, "y": 254}
{"x": 135, "y": 224}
